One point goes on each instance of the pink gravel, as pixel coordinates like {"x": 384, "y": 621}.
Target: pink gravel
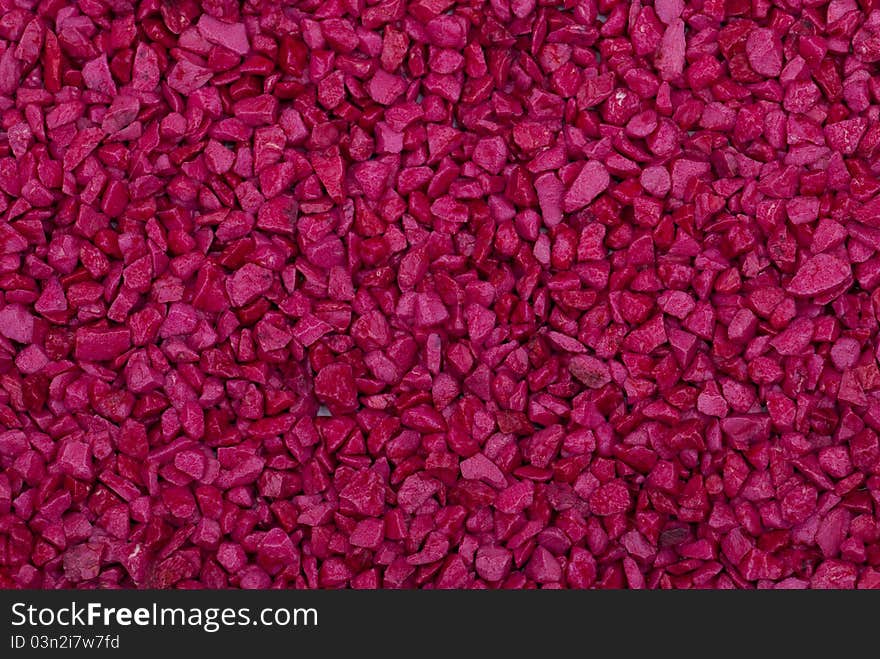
{"x": 436, "y": 294}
